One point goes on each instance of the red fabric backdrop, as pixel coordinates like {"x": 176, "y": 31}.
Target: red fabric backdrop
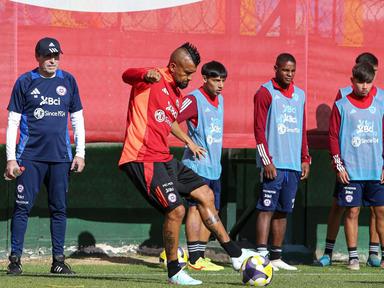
{"x": 246, "y": 35}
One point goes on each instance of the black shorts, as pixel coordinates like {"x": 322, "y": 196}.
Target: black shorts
{"x": 336, "y": 190}
{"x": 163, "y": 183}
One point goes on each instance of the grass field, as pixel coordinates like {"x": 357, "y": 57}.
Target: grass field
{"x": 118, "y": 272}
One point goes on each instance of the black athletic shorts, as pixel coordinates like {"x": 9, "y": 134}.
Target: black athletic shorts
{"x": 163, "y": 183}
{"x": 336, "y": 190}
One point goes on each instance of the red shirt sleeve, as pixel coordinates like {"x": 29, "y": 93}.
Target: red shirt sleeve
{"x": 134, "y": 75}
{"x": 305, "y": 157}
{"x": 188, "y": 110}
{"x": 334, "y": 133}
{"x": 262, "y": 102}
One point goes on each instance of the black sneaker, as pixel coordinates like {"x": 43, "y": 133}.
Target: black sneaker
{"x": 14, "y": 267}
{"x": 59, "y": 266}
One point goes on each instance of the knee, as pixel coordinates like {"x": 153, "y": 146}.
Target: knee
{"x": 203, "y": 195}
{"x": 377, "y": 212}
{"x": 57, "y": 209}
{"x": 177, "y": 213}
{"x": 207, "y": 196}
{"x": 352, "y": 213}
{"x": 279, "y": 215}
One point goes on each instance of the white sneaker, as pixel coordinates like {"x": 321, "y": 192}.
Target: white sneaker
{"x": 245, "y": 254}
{"x": 182, "y": 278}
{"x": 280, "y": 264}
{"x": 274, "y": 268}
{"x": 353, "y": 264}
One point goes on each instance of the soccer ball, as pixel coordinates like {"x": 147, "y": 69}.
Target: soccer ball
{"x": 182, "y": 256}
{"x": 256, "y": 271}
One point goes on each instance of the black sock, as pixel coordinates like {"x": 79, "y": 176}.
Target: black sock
{"x": 232, "y": 249}
{"x": 202, "y": 247}
{"x": 173, "y": 268}
{"x": 374, "y": 248}
{"x": 193, "y": 251}
{"x": 352, "y": 252}
{"x": 276, "y": 252}
{"x": 261, "y": 249}
{"x": 329, "y": 245}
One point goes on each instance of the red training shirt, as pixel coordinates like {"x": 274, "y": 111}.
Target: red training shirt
{"x": 152, "y": 109}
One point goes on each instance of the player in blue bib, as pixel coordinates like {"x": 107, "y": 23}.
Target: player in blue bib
{"x": 336, "y": 212}
{"x": 356, "y": 146}
{"x": 203, "y": 109}
{"x": 281, "y": 141}
{"x": 40, "y": 104}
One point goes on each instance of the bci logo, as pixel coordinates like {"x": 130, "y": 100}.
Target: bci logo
{"x": 49, "y": 101}
{"x": 365, "y": 126}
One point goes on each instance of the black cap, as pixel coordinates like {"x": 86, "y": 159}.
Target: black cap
{"x": 47, "y": 46}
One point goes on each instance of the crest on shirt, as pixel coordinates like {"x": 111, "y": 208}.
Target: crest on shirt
{"x": 20, "y": 188}
{"x": 61, "y": 90}
{"x": 372, "y": 109}
{"x": 159, "y": 115}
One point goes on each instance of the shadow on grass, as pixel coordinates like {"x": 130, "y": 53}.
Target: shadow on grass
{"x": 119, "y": 278}
{"x": 87, "y": 249}
{"x": 116, "y": 259}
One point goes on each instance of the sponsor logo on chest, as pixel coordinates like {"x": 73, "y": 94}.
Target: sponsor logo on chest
{"x": 40, "y": 113}
{"x": 50, "y": 101}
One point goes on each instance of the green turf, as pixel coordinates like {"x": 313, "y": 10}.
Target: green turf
{"x": 149, "y": 275}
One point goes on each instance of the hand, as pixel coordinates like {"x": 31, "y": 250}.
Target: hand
{"x": 152, "y": 76}
{"x": 11, "y": 167}
{"x": 382, "y": 177}
{"x": 78, "y": 164}
{"x": 270, "y": 171}
{"x": 197, "y": 151}
{"x": 304, "y": 170}
{"x": 343, "y": 177}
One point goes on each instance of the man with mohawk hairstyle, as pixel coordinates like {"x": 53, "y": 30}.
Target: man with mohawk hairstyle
{"x": 154, "y": 105}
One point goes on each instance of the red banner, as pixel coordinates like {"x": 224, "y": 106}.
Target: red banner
{"x": 246, "y": 35}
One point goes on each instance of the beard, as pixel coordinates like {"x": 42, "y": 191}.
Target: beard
{"x": 182, "y": 85}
